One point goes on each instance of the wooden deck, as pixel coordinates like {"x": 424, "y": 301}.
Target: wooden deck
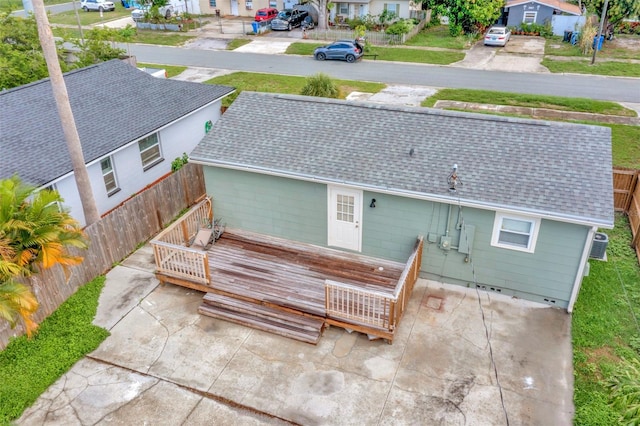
{"x": 286, "y": 287}
{"x": 292, "y": 274}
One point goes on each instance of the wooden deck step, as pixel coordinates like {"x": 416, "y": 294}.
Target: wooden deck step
{"x": 304, "y": 328}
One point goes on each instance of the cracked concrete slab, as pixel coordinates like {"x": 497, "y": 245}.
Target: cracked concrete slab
{"x": 164, "y": 363}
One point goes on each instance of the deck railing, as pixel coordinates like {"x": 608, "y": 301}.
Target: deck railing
{"x": 170, "y": 247}
{"x": 185, "y": 228}
{"x": 370, "y": 307}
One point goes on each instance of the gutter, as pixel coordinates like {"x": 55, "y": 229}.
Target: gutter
{"x": 583, "y": 264}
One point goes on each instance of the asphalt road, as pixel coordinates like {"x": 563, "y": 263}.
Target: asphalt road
{"x": 584, "y": 86}
{"x": 53, "y": 9}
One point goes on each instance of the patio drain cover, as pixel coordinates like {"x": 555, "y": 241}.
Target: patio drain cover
{"x": 434, "y": 302}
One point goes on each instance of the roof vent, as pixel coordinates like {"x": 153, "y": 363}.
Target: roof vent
{"x": 599, "y": 246}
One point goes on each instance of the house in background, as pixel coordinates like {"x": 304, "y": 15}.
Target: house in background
{"x": 342, "y": 10}
{"x": 519, "y": 218}
{"x": 560, "y": 14}
{"x": 131, "y": 126}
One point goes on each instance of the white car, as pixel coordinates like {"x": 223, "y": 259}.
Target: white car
{"x": 497, "y": 36}
{"x": 141, "y": 10}
{"x": 99, "y": 5}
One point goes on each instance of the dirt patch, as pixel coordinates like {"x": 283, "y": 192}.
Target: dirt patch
{"x": 629, "y": 43}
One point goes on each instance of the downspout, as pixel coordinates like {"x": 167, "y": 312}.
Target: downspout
{"x": 583, "y": 262}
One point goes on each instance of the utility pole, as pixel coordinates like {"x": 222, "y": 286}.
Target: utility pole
{"x": 66, "y": 114}
{"x": 596, "y": 42}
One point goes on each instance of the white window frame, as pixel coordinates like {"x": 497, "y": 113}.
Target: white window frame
{"x": 155, "y": 160}
{"x": 529, "y": 12}
{"x": 112, "y": 172}
{"x": 533, "y": 234}
{"x": 344, "y": 11}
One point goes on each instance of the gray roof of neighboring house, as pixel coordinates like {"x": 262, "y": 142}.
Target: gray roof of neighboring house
{"x": 554, "y": 169}
{"x": 113, "y": 104}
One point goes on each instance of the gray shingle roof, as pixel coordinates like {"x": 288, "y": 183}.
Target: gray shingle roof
{"x": 113, "y": 104}
{"x": 554, "y": 169}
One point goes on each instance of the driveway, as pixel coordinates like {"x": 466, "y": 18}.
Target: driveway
{"x": 461, "y": 357}
{"x": 521, "y": 54}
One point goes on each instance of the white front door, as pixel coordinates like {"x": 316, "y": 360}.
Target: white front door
{"x": 234, "y": 7}
{"x": 345, "y": 218}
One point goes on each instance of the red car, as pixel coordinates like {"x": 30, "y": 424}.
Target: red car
{"x": 266, "y": 14}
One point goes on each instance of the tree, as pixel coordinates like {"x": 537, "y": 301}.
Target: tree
{"x": 34, "y": 233}
{"x": 21, "y": 58}
{"x": 66, "y": 115}
{"x": 617, "y": 10}
{"x": 467, "y": 16}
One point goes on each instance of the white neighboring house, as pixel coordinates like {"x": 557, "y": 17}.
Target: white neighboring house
{"x": 131, "y": 126}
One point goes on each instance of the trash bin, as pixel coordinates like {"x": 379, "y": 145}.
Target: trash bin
{"x": 598, "y": 42}
{"x": 567, "y": 36}
{"x": 255, "y": 26}
{"x": 575, "y": 36}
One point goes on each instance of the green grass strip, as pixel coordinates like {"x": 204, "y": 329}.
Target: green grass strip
{"x": 399, "y": 54}
{"x": 172, "y": 70}
{"x": 237, "y": 42}
{"x": 275, "y": 83}
{"x": 603, "y": 327}
{"x": 611, "y": 68}
{"x": 532, "y": 101}
{"x": 29, "y": 366}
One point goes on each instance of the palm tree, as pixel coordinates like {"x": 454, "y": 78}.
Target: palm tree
{"x": 34, "y": 233}
{"x": 66, "y": 115}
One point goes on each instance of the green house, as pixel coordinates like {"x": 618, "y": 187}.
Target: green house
{"x": 517, "y": 214}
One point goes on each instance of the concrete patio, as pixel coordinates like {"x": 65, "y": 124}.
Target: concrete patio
{"x": 165, "y": 364}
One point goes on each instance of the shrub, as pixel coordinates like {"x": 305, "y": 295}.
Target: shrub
{"x": 625, "y": 391}
{"x": 320, "y": 85}
{"x": 179, "y": 162}
{"x": 402, "y": 26}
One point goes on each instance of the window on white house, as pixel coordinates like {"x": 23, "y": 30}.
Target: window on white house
{"x": 150, "y": 151}
{"x": 212, "y": 3}
{"x": 392, "y": 8}
{"x": 343, "y": 9}
{"x": 109, "y": 176}
{"x": 529, "y": 17}
{"x": 515, "y": 232}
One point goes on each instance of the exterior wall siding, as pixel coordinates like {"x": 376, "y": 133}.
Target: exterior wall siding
{"x": 516, "y": 14}
{"x": 298, "y": 210}
{"x": 180, "y": 137}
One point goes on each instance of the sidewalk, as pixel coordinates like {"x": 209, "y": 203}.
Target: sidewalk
{"x": 164, "y": 363}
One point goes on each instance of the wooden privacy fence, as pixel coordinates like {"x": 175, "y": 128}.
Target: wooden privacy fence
{"x": 626, "y": 198}
{"x": 374, "y": 308}
{"x": 113, "y": 238}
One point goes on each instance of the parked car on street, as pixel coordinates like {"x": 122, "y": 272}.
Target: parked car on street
{"x": 99, "y": 5}
{"x": 287, "y": 19}
{"x": 141, "y": 10}
{"x": 266, "y": 14}
{"x": 497, "y": 36}
{"x": 346, "y": 50}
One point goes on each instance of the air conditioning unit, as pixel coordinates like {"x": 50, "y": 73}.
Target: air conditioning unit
{"x": 599, "y": 247}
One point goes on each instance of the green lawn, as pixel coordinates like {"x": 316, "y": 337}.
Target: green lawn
{"x": 399, "y": 54}
{"x": 620, "y": 69}
{"x": 88, "y": 18}
{"x": 169, "y": 38}
{"x": 29, "y": 366}
{"x": 610, "y": 50}
{"x": 533, "y": 101}
{"x": 11, "y": 5}
{"x": 438, "y": 36}
{"x": 237, "y": 42}
{"x": 172, "y": 70}
{"x": 604, "y": 328}
{"x": 274, "y": 83}
{"x": 625, "y": 145}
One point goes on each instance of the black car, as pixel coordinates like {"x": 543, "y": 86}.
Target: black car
{"x": 288, "y": 19}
